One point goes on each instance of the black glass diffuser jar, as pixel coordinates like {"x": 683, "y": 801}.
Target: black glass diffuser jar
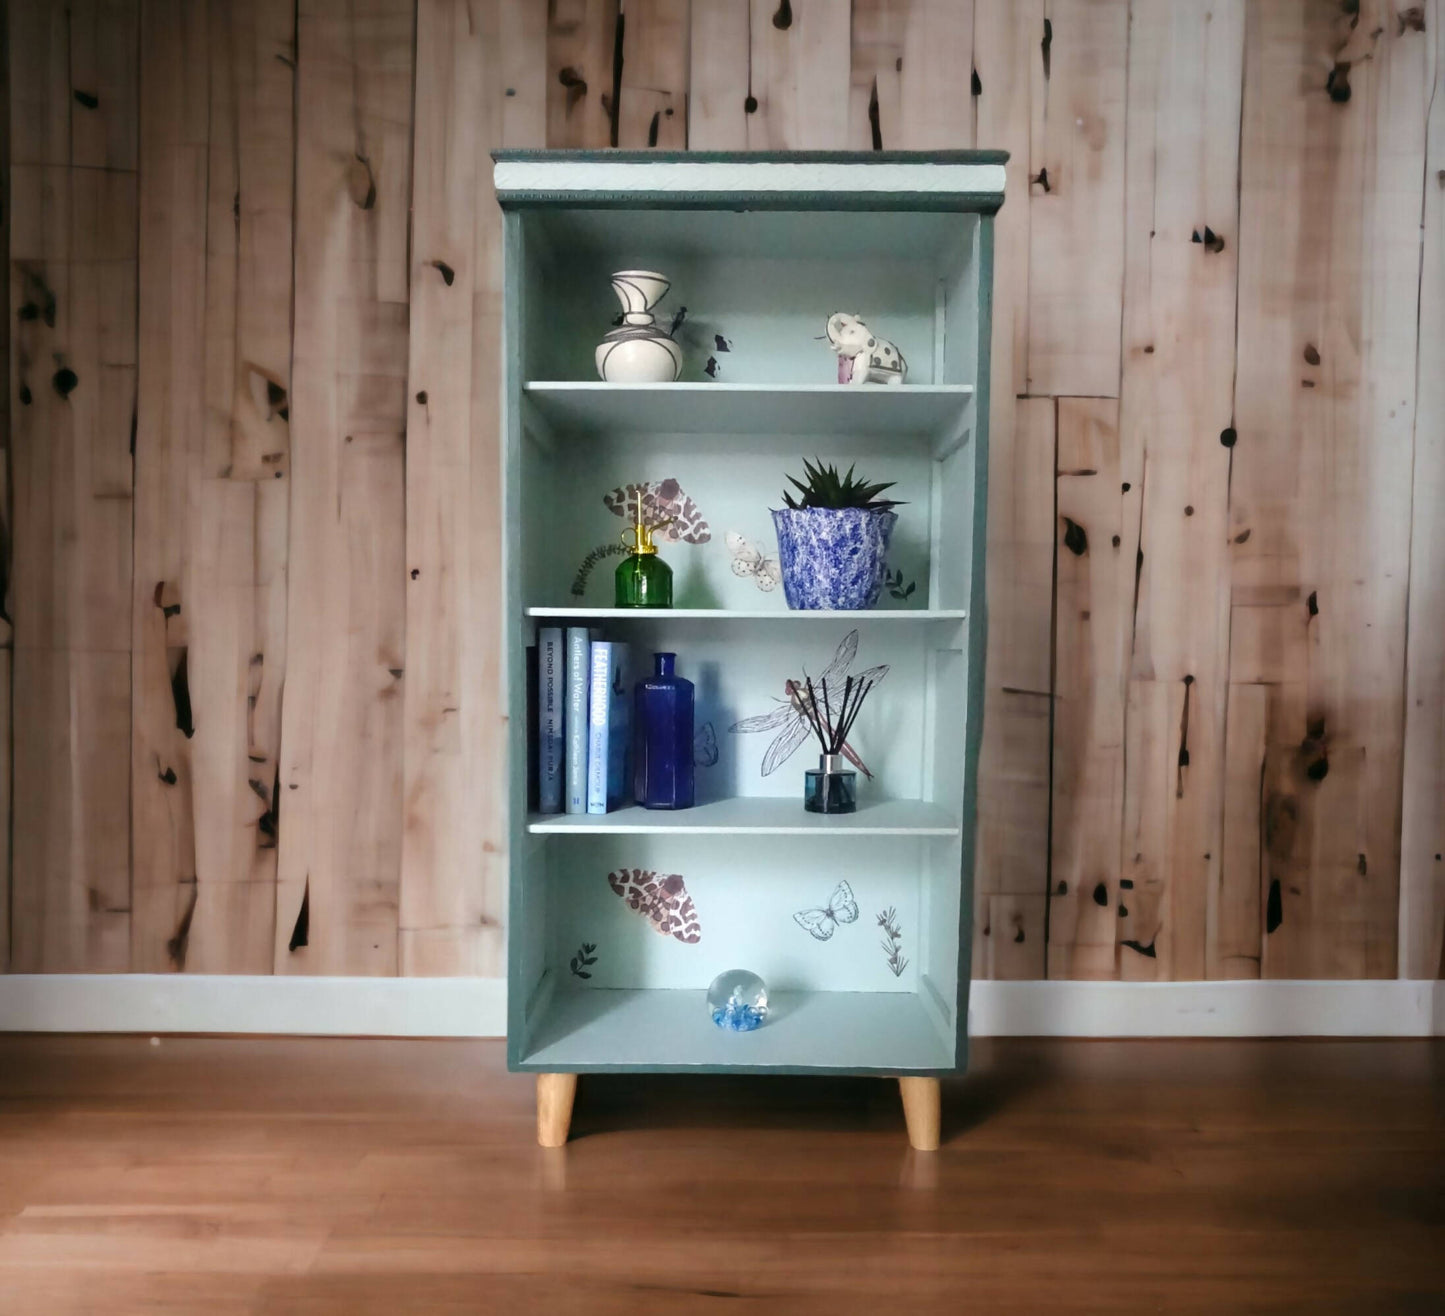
{"x": 831, "y": 787}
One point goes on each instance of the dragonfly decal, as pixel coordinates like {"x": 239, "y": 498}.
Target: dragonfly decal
{"x": 790, "y": 721}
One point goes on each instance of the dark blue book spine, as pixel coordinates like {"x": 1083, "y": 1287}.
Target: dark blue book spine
{"x": 551, "y": 719}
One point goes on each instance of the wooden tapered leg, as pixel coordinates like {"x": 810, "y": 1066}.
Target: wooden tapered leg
{"x": 555, "y": 1093}
{"x": 922, "y": 1111}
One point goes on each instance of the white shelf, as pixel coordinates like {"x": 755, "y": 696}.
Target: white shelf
{"x": 757, "y": 816}
{"x": 769, "y": 614}
{"x": 590, "y": 408}
{"x": 662, "y": 1028}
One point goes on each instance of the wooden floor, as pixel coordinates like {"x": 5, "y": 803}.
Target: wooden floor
{"x": 308, "y": 1176}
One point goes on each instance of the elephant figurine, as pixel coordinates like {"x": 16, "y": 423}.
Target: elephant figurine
{"x": 863, "y": 357}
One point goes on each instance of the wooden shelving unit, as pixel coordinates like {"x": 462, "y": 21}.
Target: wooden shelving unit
{"x": 760, "y": 249}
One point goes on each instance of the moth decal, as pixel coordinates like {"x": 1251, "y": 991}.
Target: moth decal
{"x": 662, "y": 900}
{"x": 662, "y": 501}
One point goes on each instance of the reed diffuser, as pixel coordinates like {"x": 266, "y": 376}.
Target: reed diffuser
{"x": 832, "y": 787}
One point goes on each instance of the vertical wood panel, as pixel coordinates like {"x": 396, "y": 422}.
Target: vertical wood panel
{"x": 1422, "y": 871}
{"x": 1090, "y": 912}
{"x": 908, "y": 63}
{"x": 1076, "y": 199}
{"x": 40, "y": 94}
{"x": 652, "y": 106}
{"x": 1178, "y": 370}
{"x": 170, "y": 427}
{"x": 799, "y": 55}
{"x": 103, "y": 71}
{"x": 522, "y": 57}
{"x": 1011, "y": 867}
{"x": 468, "y": 936}
{"x": 7, "y": 612}
{"x": 1329, "y": 273}
{"x": 236, "y": 566}
{"x": 718, "y": 76}
{"x": 581, "y": 45}
{"x": 442, "y": 924}
{"x": 72, "y": 381}
{"x": 1237, "y": 914}
{"x": 342, "y": 729}
{"x": 212, "y": 466}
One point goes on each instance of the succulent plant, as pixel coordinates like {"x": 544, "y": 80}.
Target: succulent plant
{"x": 826, "y": 488}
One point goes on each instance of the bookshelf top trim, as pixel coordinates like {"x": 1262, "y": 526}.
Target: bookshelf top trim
{"x": 958, "y": 181}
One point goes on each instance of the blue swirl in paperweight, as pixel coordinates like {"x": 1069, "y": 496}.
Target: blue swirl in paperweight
{"x": 738, "y": 1001}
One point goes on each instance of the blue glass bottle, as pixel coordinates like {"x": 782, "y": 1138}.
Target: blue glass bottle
{"x": 662, "y": 747}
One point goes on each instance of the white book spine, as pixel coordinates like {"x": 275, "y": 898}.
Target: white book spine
{"x": 579, "y": 643}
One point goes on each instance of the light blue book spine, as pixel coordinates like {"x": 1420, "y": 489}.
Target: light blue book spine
{"x": 608, "y": 727}
{"x": 551, "y": 719}
{"x": 579, "y": 644}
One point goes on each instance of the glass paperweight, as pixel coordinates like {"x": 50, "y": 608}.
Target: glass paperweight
{"x": 738, "y": 1001}
{"x": 830, "y": 788}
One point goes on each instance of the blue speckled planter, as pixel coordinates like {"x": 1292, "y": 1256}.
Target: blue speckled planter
{"x": 832, "y": 558}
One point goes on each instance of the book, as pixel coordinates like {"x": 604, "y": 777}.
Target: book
{"x": 551, "y": 719}
{"x": 579, "y": 644}
{"x": 609, "y": 704}
{"x": 533, "y": 726}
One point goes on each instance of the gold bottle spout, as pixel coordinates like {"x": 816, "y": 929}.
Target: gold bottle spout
{"x": 641, "y": 532}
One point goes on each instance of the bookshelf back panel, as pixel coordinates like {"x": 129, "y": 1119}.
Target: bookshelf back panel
{"x": 734, "y": 482}
{"x": 766, "y": 282}
{"x": 739, "y": 674}
{"x": 745, "y": 893}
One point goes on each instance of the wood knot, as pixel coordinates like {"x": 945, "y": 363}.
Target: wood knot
{"x": 361, "y": 182}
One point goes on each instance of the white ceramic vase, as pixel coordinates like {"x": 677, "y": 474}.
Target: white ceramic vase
{"x": 637, "y": 351}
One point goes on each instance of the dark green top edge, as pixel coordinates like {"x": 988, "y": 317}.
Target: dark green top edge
{"x": 763, "y": 157}
{"x": 978, "y": 203}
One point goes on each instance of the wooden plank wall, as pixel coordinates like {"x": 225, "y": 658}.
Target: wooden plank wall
{"x": 248, "y": 630}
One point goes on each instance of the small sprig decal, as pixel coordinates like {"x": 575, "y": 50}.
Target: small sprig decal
{"x": 583, "y": 960}
{"x": 892, "y": 942}
{"x": 579, "y": 581}
{"x": 896, "y": 587}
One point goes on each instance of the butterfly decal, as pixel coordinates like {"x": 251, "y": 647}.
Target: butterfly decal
{"x": 750, "y": 561}
{"x": 663, "y": 501}
{"x": 790, "y": 722}
{"x": 821, "y": 924}
{"x": 704, "y": 747}
{"x": 662, "y": 900}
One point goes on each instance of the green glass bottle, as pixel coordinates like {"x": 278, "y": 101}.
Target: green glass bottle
{"x": 644, "y": 580}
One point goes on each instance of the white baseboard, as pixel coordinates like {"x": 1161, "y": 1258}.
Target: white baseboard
{"x": 318, "y": 1007}
{"x": 1253, "y": 1008}
{"x": 477, "y": 1007}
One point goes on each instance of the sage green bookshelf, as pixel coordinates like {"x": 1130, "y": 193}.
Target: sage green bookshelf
{"x": 760, "y": 249}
